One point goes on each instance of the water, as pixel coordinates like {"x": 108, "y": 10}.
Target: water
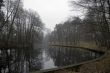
{"x": 47, "y": 61}
{"x": 54, "y": 57}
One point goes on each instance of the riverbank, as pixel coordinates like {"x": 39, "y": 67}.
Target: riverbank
{"x": 71, "y": 68}
{"x": 78, "y": 68}
{"x": 85, "y": 48}
{"x": 86, "y": 45}
{"x": 100, "y": 66}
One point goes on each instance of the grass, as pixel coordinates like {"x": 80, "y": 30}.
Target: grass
{"x": 91, "y": 45}
{"x": 102, "y": 66}
{"x": 88, "y": 44}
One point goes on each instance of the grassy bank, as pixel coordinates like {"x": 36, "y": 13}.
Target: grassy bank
{"x": 92, "y": 67}
{"x": 81, "y": 44}
{"x": 101, "y": 66}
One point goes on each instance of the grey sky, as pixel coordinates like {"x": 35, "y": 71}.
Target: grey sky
{"x": 51, "y": 12}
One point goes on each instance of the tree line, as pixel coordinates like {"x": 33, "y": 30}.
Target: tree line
{"x": 19, "y": 30}
{"x": 94, "y": 28}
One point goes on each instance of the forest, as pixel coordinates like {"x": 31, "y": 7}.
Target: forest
{"x": 22, "y": 35}
{"x": 93, "y": 29}
{"x": 19, "y": 30}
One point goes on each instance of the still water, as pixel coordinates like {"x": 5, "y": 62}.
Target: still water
{"x": 54, "y": 57}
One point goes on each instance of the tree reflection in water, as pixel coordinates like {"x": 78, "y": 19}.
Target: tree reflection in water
{"x": 54, "y": 57}
{"x": 63, "y": 56}
{"x": 36, "y": 59}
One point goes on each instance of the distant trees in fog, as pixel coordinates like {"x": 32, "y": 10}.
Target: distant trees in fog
{"x": 94, "y": 27}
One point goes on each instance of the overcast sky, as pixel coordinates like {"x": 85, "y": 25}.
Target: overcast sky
{"x": 51, "y": 12}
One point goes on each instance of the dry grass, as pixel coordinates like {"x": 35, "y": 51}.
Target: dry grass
{"x": 88, "y": 44}
{"x": 102, "y": 66}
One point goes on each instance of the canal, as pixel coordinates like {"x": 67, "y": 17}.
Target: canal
{"x": 56, "y": 57}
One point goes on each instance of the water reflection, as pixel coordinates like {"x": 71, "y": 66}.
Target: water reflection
{"x": 54, "y": 57}
{"x": 36, "y": 59}
{"x": 47, "y": 61}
